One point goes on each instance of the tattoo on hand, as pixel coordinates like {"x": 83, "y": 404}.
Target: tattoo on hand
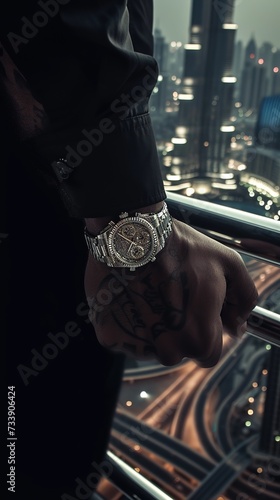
{"x": 149, "y": 312}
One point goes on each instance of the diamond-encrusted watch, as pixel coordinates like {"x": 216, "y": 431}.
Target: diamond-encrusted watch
{"x": 133, "y": 241}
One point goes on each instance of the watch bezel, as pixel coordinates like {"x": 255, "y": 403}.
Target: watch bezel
{"x": 154, "y": 241}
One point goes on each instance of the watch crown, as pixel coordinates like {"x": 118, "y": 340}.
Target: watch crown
{"x": 123, "y": 215}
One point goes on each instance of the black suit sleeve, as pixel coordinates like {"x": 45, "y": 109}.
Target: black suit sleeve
{"x": 95, "y": 88}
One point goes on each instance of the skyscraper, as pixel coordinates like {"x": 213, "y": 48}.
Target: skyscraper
{"x": 203, "y": 132}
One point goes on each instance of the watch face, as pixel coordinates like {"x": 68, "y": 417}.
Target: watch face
{"x": 133, "y": 241}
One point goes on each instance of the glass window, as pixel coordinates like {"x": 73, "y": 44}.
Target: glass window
{"x": 216, "y": 107}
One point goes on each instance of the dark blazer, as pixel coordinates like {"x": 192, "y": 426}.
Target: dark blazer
{"x": 72, "y": 88}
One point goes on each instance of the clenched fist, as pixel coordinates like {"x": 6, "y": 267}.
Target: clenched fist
{"x": 175, "y": 307}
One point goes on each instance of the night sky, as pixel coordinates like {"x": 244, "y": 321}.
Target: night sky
{"x": 254, "y": 17}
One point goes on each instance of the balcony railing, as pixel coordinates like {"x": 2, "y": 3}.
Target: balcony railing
{"x": 249, "y": 234}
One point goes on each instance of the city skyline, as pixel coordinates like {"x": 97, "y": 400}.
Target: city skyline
{"x": 264, "y": 25}
{"x": 205, "y": 109}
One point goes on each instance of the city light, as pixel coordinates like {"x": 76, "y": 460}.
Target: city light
{"x": 173, "y": 177}
{"x": 275, "y": 69}
{"x": 248, "y": 423}
{"x": 227, "y": 175}
{"x": 144, "y": 394}
{"x": 177, "y": 161}
{"x": 241, "y": 167}
{"x": 229, "y": 79}
{"x": 178, "y": 140}
{"x": 188, "y": 81}
{"x": 190, "y": 191}
{"x": 264, "y": 186}
{"x": 167, "y": 161}
{"x": 181, "y": 131}
{"x": 176, "y": 187}
{"x": 261, "y": 61}
{"x": 196, "y": 29}
{"x": 230, "y": 26}
{"x": 219, "y": 185}
{"x": 192, "y": 46}
{"x": 186, "y": 97}
{"x": 227, "y": 128}
{"x": 128, "y": 403}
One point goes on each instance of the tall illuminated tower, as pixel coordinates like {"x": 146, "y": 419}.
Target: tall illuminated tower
{"x": 203, "y": 132}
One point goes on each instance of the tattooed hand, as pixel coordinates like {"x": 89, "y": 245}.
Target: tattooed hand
{"x": 175, "y": 307}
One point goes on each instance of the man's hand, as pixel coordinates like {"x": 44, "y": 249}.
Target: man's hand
{"x": 175, "y": 307}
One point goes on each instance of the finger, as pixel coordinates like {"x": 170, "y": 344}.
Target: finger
{"x": 167, "y": 349}
{"x": 233, "y": 318}
{"x": 241, "y": 297}
{"x": 203, "y": 341}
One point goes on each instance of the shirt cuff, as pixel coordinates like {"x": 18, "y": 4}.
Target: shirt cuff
{"x": 105, "y": 169}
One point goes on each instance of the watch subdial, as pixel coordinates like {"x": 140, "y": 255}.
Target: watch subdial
{"x": 137, "y": 252}
{"x": 142, "y": 237}
{"x": 128, "y": 231}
